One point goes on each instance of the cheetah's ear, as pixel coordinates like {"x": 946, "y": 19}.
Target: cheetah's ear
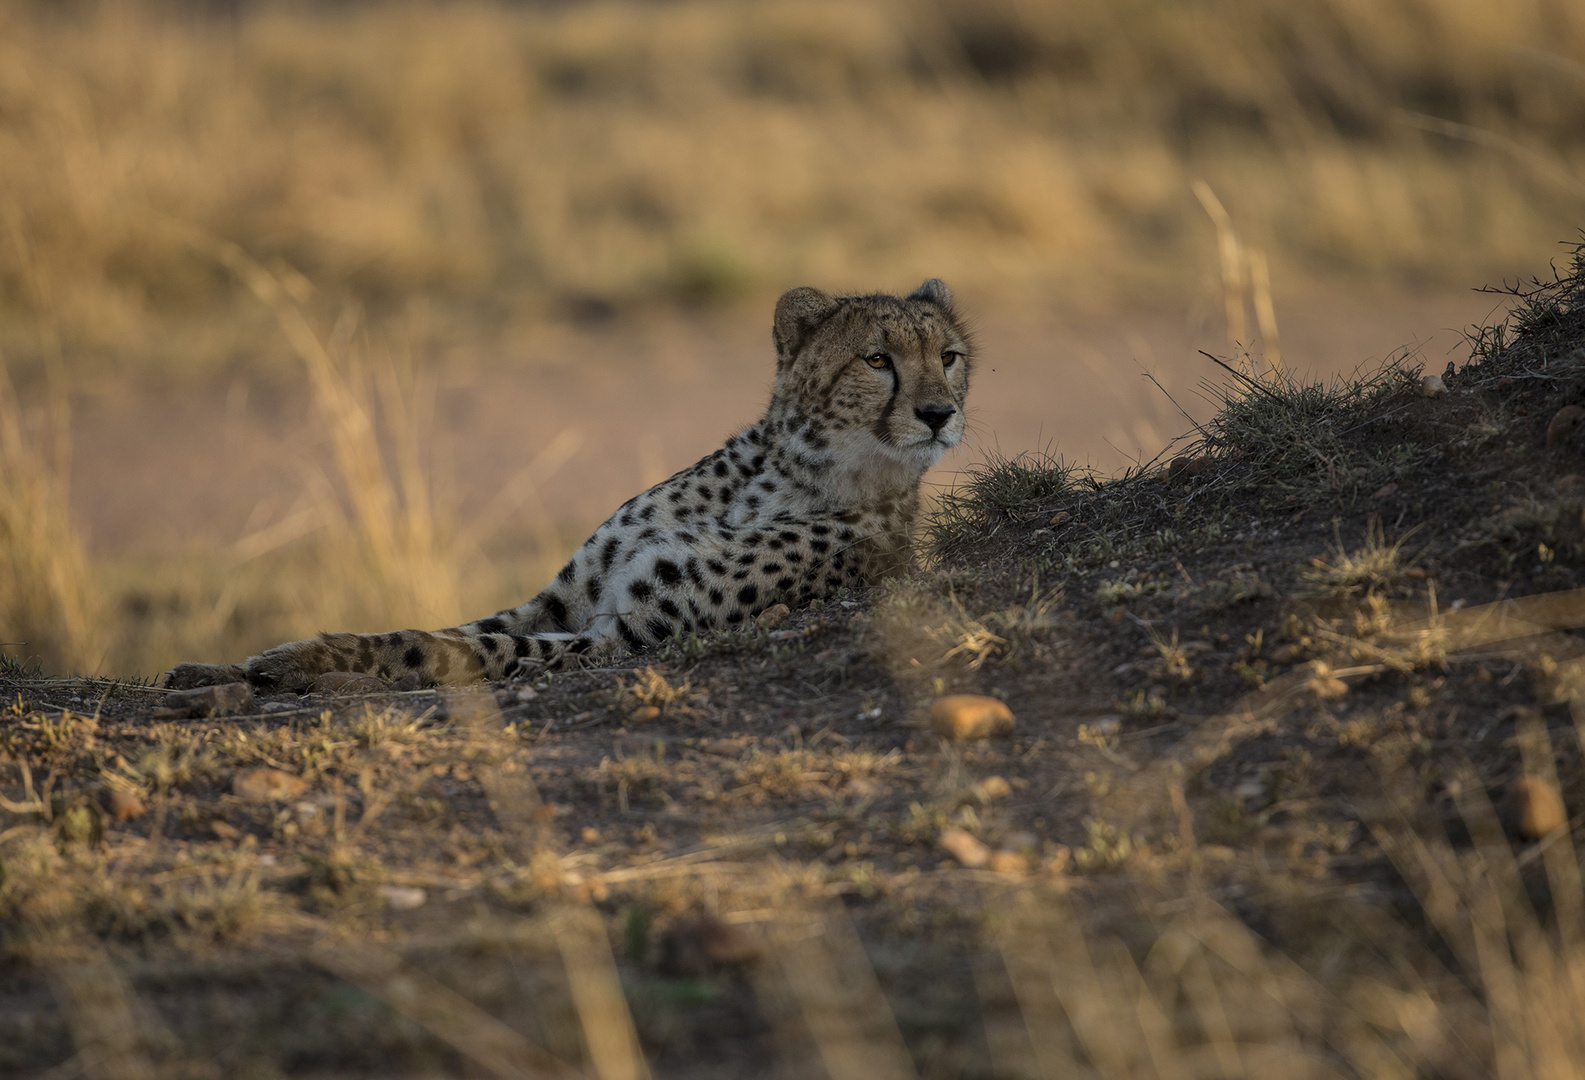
{"x": 935, "y": 290}
{"x": 797, "y": 312}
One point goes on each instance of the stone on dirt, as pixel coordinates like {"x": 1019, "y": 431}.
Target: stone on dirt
{"x": 1011, "y": 863}
{"x": 1533, "y": 808}
{"x": 124, "y": 805}
{"x": 402, "y": 897}
{"x": 964, "y": 848}
{"x": 1564, "y": 421}
{"x": 970, "y": 716}
{"x": 267, "y": 785}
{"x": 773, "y": 616}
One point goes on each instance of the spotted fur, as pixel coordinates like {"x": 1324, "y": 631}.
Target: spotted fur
{"x": 821, "y": 493}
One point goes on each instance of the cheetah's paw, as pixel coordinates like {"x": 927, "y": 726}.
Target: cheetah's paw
{"x": 284, "y": 669}
{"x": 188, "y": 676}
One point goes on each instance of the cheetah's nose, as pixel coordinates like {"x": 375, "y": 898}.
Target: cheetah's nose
{"x": 935, "y": 416}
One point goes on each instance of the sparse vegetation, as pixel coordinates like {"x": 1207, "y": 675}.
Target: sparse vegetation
{"x": 1210, "y": 702}
{"x": 1276, "y": 699}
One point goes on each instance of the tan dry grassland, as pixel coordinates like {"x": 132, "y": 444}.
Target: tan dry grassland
{"x": 472, "y": 167}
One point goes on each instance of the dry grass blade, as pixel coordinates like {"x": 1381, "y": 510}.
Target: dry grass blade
{"x": 1530, "y": 981}
{"x": 824, "y": 968}
{"x": 1007, "y": 1020}
{"x": 95, "y": 1000}
{"x": 1231, "y": 255}
{"x": 49, "y": 607}
{"x": 394, "y": 533}
{"x": 447, "y": 1014}
{"x": 608, "y": 1030}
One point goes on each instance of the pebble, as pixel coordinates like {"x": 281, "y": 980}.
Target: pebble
{"x": 992, "y": 788}
{"x": 970, "y": 716}
{"x": 402, "y": 897}
{"x": 1011, "y": 863}
{"x": 644, "y": 714}
{"x": 1185, "y": 468}
{"x": 1564, "y": 421}
{"x": 205, "y": 701}
{"x": 267, "y": 785}
{"x": 590, "y": 834}
{"x": 342, "y": 683}
{"x": 124, "y": 805}
{"x": 773, "y": 616}
{"x": 1533, "y": 808}
{"x": 964, "y": 848}
{"x": 1433, "y": 386}
{"x": 224, "y": 830}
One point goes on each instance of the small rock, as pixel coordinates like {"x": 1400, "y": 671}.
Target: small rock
{"x": 993, "y": 788}
{"x": 964, "y": 848}
{"x": 1564, "y": 421}
{"x": 1012, "y": 863}
{"x": 1385, "y": 491}
{"x": 644, "y": 714}
{"x": 205, "y": 701}
{"x": 1059, "y": 517}
{"x": 1433, "y": 386}
{"x": 1182, "y": 469}
{"x": 346, "y": 683}
{"x": 123, "y": 804}
{"x": 267, "y": 785}
{"x": 224, "y": 830}
{"x": 970, "y": 716}
{"x": 526, "y": 694}
{"x": 703, "y": 943}
{"x": 1533, "y": 808}
{"x": 732, "y": 747}
{"x": 590, "y": 834}
{"x": 276, "y": 706}
{"x": 773, "y": 616}
{"x": 402, "y": 897}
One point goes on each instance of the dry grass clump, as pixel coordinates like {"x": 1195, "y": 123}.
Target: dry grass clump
{"x": 49, "y": 611}
{"x": 1376, "y": 568}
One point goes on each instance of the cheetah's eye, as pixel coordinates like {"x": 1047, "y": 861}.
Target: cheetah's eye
{"x": 878, "y": 360}
{"x": 950, "y": 357}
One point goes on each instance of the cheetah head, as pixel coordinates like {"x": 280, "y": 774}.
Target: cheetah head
{"x": 878, "y": 376}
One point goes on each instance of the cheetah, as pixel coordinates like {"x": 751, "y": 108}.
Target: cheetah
{"x": 819, "y": 495}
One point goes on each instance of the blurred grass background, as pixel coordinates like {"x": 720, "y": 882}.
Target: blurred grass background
{"x": 481, "y": 169}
